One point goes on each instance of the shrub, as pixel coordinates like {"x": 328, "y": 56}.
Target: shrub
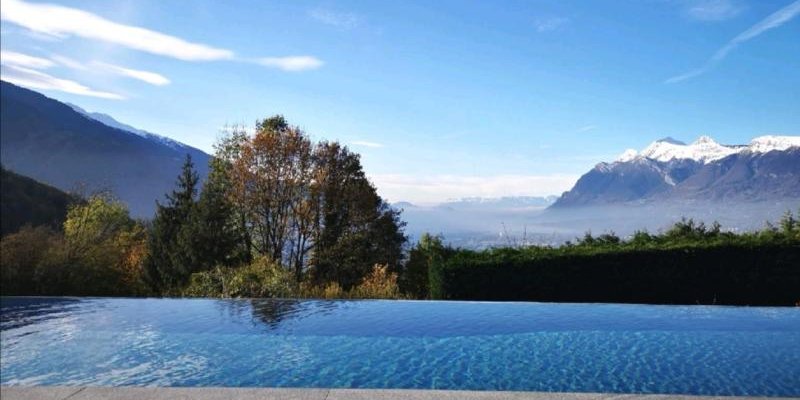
{"x": 261, "y": 278}
{"x": 209, "y": 283}
{"x": 734, "y": 273}
{"x": 331, "y": 290}
{"x": 21, "y": 254}
{"x": 378, "y": 284}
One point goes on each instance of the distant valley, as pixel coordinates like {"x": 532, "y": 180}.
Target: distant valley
{"x": 740, "y": 186}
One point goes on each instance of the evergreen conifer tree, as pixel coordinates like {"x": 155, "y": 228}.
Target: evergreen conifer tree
{"x": 211, "y": 235}
{"x": 169, "y": 262}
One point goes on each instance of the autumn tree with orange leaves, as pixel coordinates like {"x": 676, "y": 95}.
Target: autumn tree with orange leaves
{"x": 308, "y": 206}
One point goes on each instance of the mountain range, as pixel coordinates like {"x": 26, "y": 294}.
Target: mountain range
{"x": 766, "y": 169}
{"x": 65, "y": 146}
{"x": 69, "y": 148}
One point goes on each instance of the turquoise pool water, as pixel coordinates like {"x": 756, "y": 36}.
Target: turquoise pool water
{"x": 401, "y": 344}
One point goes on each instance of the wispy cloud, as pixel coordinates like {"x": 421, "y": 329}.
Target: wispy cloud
{"x": 25, "y": 70}
{"x": 549, "y": 24}
{"x": 291, "y": 63}
{"x": 341, "y": 20}
{"x": 713, "y": 10}
{"x": 68, "y": 62}
{"x": 39, "y": 80}
{"x": 57, "y": 21}
{"x": 775, "y": 20}
{"x": 24, "y": 60}
{"x": 144, "y": 76}
{"x": 63, "y": 21}
{"x": 364, "y": 143}
{"x": 587, "y": 128}
{"x": 439, "y": 188}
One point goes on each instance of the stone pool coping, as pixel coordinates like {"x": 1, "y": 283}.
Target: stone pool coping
{"x": 220, "y": 393}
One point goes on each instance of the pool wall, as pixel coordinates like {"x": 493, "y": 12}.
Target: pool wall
{"x": 220, "y": 393}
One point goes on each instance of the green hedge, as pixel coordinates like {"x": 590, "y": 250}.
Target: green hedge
{"x": 736, "y": 274}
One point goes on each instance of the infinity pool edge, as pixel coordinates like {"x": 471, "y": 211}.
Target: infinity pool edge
{"x": 220, "y": 393}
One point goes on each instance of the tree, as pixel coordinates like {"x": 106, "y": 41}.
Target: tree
{"x": 414, "y": 280}
{"x": 104, "y": 251}
{"x": 212, "y": 233}
{"x": 308, "y": 206}
{"x": 789, "y": 225}
{"x": 169, "y": 263}
{"x": 99, "y": 220}
{"x": 270, "y": 175}
{"x": 354, "y": 228}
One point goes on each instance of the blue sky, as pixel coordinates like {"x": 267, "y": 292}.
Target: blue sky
{"x": 443, "y": 99}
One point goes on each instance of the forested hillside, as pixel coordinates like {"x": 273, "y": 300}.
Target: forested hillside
{"x": 25, "y": 201}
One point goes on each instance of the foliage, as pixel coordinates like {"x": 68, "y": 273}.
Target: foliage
{"x": 331, "y": 290}
{"x": 380, "y": 283}
{"x": 261, "y": 278}
{"x": 105, "y": 248}
{"x": 264, "y": 278}
{"x": 308, "y": 206}
{"x": 100, "y": 252}
{"x": 271, "y": 178}
{"x": 688, "y": 263}
{"x": 415, "y": 279}
{"x": 169, "y": 263}
{"x": 21, "y": 254}
{"x": 213, "y": 236}
{"x": 97, "y": 221}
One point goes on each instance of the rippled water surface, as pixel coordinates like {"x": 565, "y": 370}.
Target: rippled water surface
{"x": 401, "y": 344}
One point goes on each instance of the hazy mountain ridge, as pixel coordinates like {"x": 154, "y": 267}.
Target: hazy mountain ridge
{"x": 767, "y": 169}
{"x": 112, "y": 122}
{"x": 25, "y": 201}
{"x": 486, "y": 202}
{"x": 51, "y": 142}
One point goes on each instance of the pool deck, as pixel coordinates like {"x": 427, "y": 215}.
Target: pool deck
{"x": 215, "y": 393}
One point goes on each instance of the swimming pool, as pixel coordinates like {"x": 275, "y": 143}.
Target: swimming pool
{"x": 703, "y": 350}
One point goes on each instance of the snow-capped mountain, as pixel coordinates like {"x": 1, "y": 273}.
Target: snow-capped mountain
{"x": 764, "y": 144}
{"x": 110, "y": 121}
{"x": 705, "y": 149}
{"x": 768, "y": 168}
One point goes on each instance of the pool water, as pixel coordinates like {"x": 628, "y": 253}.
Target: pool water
{"x": 704, "y": 350}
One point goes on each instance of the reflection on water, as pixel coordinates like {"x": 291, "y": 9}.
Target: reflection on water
{"x": 271, "y": 313}
{"x": 401, "y": 344}
{"x": 20, "y": 311}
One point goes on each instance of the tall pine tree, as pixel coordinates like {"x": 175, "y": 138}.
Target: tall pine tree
{"x": 212, "y": 236}
{"x": 169, "y": 263}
